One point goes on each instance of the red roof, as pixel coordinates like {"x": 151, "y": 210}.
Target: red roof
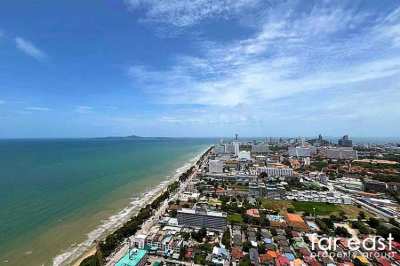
{"x": 295, "y": 234}
{"x": 396, "y": 256}
{"x": 265, "y": 258}
{"x": 253, "y": 213}
{"x": 396, "y": 244}
{"x": 281, "y": 261}
{"x": 304, "y": 252}
{"x": 189, "y": 253}
{"x": 312, "y": 261}
{"x": 383, "y": 261}
{"x": 237, "y": 253}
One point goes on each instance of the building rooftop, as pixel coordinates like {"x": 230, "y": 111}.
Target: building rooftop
{"x": 132, "y": 258}
{"x": 253, "y": 213}
{"x": 294, "y": 218}
{"x": 202, "y": 212}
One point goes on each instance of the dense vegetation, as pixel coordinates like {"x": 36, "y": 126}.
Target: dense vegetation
{"x": 318, "y": 165}
{"x": 226, "y": 239}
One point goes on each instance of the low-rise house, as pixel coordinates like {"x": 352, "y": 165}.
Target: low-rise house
{"x": 303, "y": 252}
{"x": 276, "y": 221}
{"x": 296, "y": 222}
{"x": 189, "y": 255}
{"x": 236, "y": 254}
{"x": 219, "y": 255}
{"x": 311, "y": 261}
{"x": 266, "y": 259}
{"x": 289, "y": 255}
{"x": 382, "y": 261}
{"x": 282, "y": 261}
{"x": 270, "y": 246}
{"x": 251, "y": 236}
{"x": 254, "y": 257}
{"x": 265, "y": 233}
{"x": 254, "y": 213}
{"x": 298, "y": 262}
{"x": 236, "y": 236}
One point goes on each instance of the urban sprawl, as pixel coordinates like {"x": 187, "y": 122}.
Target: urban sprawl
{"x": 270, "y": 202}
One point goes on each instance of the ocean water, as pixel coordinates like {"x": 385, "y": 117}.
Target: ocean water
{"x": 57, "y": 194}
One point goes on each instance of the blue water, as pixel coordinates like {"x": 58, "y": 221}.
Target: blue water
{"x": 53, "y": 192}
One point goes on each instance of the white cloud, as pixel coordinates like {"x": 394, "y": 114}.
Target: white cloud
{"x": 183, "y": 13}
{"x": 29, "y": 48}
{"x": 317, "y": 53}
{"x": 291, "y": 54}
{"x": 37, "y": 108}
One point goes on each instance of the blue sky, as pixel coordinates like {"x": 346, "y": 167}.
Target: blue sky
{"x": 199, "y": 68}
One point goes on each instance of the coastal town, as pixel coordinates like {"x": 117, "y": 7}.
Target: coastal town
{"x": 275, "y": 201}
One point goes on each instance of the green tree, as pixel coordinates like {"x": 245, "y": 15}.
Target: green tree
{"x": 373, "y": 222}
{"x": 261, "y": 248}
{"x": 226, "y": 239}
{"x": 246, "y": 246}
{"x": 91, "y": 261}
{"x": 290, "y": 210}
{"x": 245, "y": 261}
{"x": 342, "y": 231}
{"x": 361, "y": 215}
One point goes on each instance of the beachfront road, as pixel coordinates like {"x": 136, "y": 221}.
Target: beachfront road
{"x": 114, "y": 258}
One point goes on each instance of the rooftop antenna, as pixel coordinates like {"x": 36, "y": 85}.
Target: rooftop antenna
{"x": 236, "y": 136}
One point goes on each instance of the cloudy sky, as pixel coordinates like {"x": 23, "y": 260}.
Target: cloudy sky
{"x": 199, "y": 68}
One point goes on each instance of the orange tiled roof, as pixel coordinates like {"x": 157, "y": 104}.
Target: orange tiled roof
{"x": 237, "y": 253}
{"x": 272, "y": 253}
{"x": 294, "y": 218}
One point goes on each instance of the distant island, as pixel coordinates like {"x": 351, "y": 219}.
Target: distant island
{"x": 121, "y": 137}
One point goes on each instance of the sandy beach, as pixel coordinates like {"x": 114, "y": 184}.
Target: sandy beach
{"x": 147, "y": 197}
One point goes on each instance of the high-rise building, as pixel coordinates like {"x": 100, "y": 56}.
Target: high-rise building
{"x": 236, "y": 146}
{"x": 301, "y": 151}
{"x": 275, "y": 171}
{"x": 215, "y": 166}
{"x": 340, "y": 153}
{"x": 229, "y": 148}
{"x": 244, "y": 155}
{"x": 259, "y": 148}
{"x": 219, "y": 149}
{"x": 202, "y": 218}
{"x": 345, "y": 141}
{"x": 374, "y": 186}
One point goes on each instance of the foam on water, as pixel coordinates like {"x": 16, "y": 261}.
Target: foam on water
{"x": 117, "y": 220}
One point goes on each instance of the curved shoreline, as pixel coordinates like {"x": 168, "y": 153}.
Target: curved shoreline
{"x": 76, "y": 254}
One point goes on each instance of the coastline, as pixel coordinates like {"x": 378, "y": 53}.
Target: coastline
{"x": 76, "y": 254}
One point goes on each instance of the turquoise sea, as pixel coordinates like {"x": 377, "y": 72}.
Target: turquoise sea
{"x": 57, "y": 193}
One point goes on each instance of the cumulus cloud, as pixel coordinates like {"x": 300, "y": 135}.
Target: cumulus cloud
{"x": 29, "y": 48}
